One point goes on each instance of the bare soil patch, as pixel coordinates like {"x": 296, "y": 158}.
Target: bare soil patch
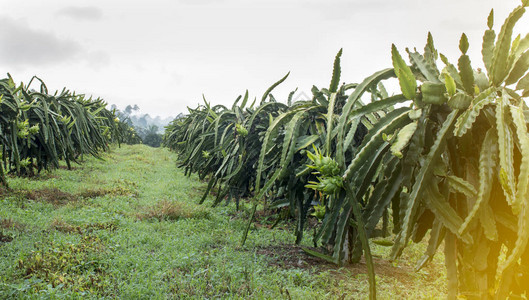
{"x": 287, "y": 256}
{"x": 52, "y": 195}
{"x": 66, "y": 168}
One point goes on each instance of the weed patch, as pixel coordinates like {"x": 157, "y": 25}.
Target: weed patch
{"x": 43, "y": 176}
{"x": 3, "y": 192}
{"x": 79, "y": 267}
{"x": 208, "y": 284}
{"x": 142, "y": 159}
{"x": 115, "y": 191}
{"x": 93, "y": 193}
{"x": 4, "y": 238}
{"x": 64, "y": 227}
{"x": 10, "y": 224}
{"x": 172, "y": 211}
{"x": 123, "y": 187}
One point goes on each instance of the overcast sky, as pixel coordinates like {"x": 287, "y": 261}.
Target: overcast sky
{"x": 164, "y": 54}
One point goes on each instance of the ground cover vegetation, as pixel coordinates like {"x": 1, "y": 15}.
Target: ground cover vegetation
{"x": 128, "y": 226}
{"x": 446, "y": 160}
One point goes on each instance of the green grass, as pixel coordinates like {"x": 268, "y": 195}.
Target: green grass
{"x": 130, "y": 228}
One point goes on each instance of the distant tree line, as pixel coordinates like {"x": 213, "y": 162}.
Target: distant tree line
{"x": 149, "y": 129}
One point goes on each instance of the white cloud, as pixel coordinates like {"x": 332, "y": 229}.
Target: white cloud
{"x": 97, "y": 59}
{"x": 84, "y": 13}
{"x": 22, "y": 45}
{"x": 164, "y": 54}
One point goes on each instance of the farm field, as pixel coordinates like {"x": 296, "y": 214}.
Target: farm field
{"x": 129, "y": 226}
{"x": 410, "y": 183}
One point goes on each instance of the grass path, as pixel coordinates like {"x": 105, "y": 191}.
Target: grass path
{"x": 128, "y": 227}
